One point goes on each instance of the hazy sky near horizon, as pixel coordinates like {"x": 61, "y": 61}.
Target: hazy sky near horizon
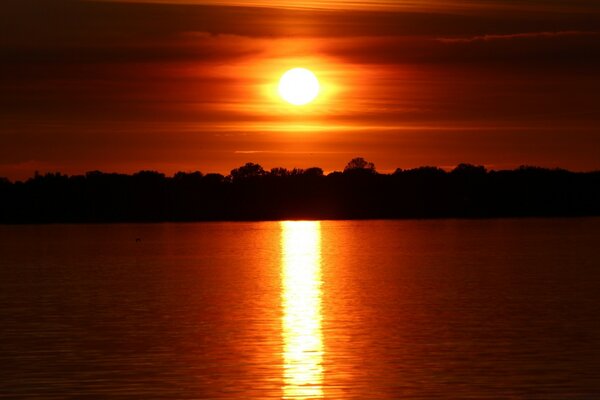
{"x": 190, "y": 85}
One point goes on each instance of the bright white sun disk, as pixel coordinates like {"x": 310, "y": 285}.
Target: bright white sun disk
{"x": 299, "y": 86}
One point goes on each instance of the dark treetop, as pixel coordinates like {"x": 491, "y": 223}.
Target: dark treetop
{"x": 251, "y": 193}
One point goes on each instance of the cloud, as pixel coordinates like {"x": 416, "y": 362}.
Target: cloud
{"x": 552, "y": 50}
{"x": 513, "y": 36}
{"x": 38, "y": 23}
{"x": 393, "y": 5}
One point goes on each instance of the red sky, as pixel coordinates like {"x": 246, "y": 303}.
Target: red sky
{"x": 189, "y": 85}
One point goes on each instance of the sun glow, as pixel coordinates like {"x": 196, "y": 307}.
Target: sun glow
{"x": 301, "y": 300}
{"x": 299, "y": 86}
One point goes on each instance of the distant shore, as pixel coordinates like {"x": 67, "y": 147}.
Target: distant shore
{"x": 251, "y": 193}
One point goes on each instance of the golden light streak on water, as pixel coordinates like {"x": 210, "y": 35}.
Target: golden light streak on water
{"x": 301, "y": 300}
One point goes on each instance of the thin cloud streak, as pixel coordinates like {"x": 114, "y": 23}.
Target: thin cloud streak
{"x": 389, "y": 5}
{"x": 527, "y": 35}
{"x": 288, "y": 152}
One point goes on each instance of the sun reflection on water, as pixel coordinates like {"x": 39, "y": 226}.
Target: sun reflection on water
{"x": 301, "y": 299}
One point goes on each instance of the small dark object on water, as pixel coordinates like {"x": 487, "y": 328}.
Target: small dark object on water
{"x": 138, "y": 240}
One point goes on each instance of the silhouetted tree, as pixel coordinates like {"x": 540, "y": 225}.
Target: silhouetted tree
{"x": 469, "y": 169}
{"x": 279, "y": 172}
{"x": 188, "y": 176}
{"x": 359, "y": 163}
{"x": 251, "y": 193}
{"x": 249, "y": 170}
{"x": 313, "y": 171}
{"x": 213, "y": 178}
{"x": 422, "y": 171}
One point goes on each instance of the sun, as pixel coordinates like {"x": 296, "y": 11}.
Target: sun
{"x": 299, "y": 86}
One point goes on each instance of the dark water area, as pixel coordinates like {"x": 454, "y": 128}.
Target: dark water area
{"x": 334, "y": 309}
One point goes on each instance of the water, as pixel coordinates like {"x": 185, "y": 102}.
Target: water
{"x": 333, "y": 309}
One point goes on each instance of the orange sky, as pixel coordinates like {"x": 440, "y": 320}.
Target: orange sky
{"x": 116, "y": 86}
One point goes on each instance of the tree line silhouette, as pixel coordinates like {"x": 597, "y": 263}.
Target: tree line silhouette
{"x": 252, "y": 193}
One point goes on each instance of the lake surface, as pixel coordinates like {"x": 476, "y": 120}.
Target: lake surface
{"x": 333, "y": 309}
